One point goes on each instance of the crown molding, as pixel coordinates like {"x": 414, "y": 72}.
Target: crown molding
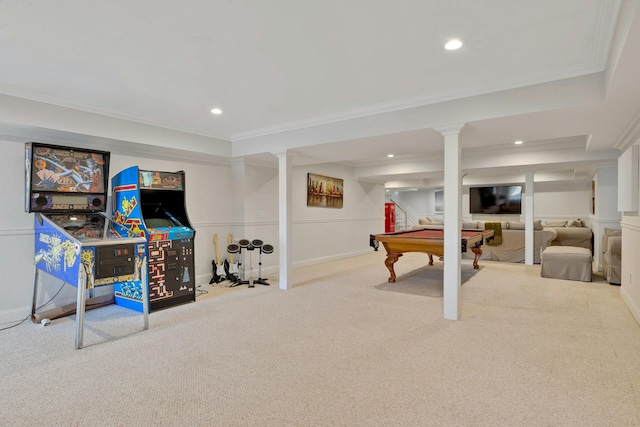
{"x": 450, "y": 130}
{"x": 20, "y": 133}
{"x": 575, "y": 71}
{"x": 605, "y": 31}
{"x": 631, "y": 134}
{"x": 35, "y": 96}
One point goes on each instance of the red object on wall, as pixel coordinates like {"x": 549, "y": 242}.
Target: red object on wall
{"x": 389, "y": 217}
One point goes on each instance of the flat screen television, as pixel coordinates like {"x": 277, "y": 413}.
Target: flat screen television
{"x": 499, "y": 199}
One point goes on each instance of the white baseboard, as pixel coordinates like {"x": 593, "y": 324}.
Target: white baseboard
{"x": 204, "y": 278}
{"x": 596, "y": 265}
{"x": 633, "y": 307}
{"x": 17, "y": 314}
{"x": 321, "y": 260}
{"x": 14, "y": 316}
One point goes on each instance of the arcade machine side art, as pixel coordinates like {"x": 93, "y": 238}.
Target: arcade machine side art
{"x": 74, "y": 240}
{"x": 152, "y": 204}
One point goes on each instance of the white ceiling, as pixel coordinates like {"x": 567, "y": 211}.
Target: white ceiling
{"x": 344, "y": 80}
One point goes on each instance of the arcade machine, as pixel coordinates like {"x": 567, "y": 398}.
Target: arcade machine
{"x": 151, "y": 204}
{"x": 74, "y": 241}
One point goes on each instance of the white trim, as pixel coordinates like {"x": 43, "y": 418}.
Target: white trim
{"x": 575, "y": 71}
{"x": 210, "y": 224}
{"x": 631, "y": 305}
{"x": 605, "y": 32}
{"x": 631, "y": 134}
{"x": 273, "y": 269}
{"x": 200, "y": 145}
{"x": 629, "y": 226}
{"x": 329, "y": 220}
{"x": 15, "y": 315}
{"x": 43, "y": 98}
{"x": 172, "y": 154}
{"x": 295, "y": 221}
{"x": 335, "y": 257}
{"x": 633, "y": 308}
{"x": 17, "y": 232}
{"x": 605, "y": 220}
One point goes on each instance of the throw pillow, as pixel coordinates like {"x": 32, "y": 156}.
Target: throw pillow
{"x": 470, "y": 225}
{"x": 437, "y": 221}
{"x": 555, "y": 223}
{"x": 516, "y": 225}
{"x": 537, "y": 224}
{"x": 575, "y": 223}
{"x": 424, "y": 221}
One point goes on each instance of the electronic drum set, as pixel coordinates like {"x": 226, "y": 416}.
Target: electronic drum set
{"x": 249, "y": 246}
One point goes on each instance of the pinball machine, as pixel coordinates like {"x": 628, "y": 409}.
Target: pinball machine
{"x": 75, "y": 241}
{"x": 151, "y": 204}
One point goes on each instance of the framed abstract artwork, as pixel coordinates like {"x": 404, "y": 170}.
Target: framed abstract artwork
{"x": 324, "y": 191}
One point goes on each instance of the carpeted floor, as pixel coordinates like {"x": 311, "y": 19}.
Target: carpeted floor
{"x": 337, "y": 351}
{"x": 425, "y": 281}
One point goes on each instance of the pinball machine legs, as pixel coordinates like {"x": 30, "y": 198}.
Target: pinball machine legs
{"x": 81, "y": 303}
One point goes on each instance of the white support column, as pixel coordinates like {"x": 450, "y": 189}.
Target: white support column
{"x": 529, "y": 242}
{"x": 284, "y": 219}
{"x": 452, "y": 221}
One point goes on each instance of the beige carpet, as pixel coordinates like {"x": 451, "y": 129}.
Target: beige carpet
{"x": 336, "y": 351}
{"x": 426, "y": 281}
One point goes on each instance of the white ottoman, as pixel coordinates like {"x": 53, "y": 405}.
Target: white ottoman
{"x": 566, "y": 262}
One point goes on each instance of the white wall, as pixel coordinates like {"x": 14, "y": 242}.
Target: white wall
{"x": 207, "y": 188}
{"x": 561, "y": 200}
{"x": 206, "y": 213}
{"x": 324, "y": 234}
{"x": 260, "y": 214}
{"x": 552, "y": 200}
{"x": 630, "y": 286}
{"x": 630, "y": 224}
{"x": 16, "y": 235}
{"x": 319, "y": 234}
{"x": 606, "y": 207}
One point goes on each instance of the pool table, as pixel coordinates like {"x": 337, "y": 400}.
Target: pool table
{"x": 430, "y": 242}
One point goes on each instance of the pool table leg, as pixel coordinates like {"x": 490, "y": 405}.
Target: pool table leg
{"x": 430, "y": 259}
{"x": 477, "y": 252}
{"x": 391, "y": 259}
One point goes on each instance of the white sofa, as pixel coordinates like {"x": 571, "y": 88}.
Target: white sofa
{"x": 573, "y": 232}
{"x": 512, "y": 248}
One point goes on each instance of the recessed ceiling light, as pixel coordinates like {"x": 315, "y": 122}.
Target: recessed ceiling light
{"x": 518, "y": 142}
{"x": 216, "y": 111}
{"x": 453, "y": 44}
{"x": 389, "y": 155}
